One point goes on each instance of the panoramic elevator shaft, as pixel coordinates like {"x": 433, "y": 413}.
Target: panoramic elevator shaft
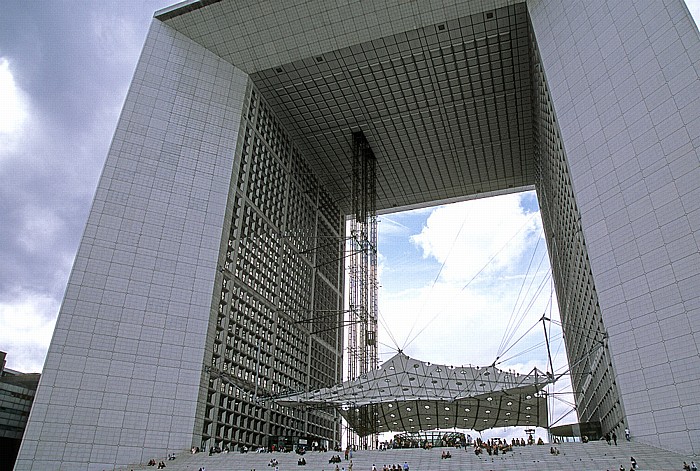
{"x": 363, "y": 307}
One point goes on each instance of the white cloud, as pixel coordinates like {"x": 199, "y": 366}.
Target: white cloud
{"x": 27, "y": 321}
{"x": 452, "y": 318}
{"x": 13, "y": 104}
{"x": 452, "y": 321}
{"x": 445, "y": 324}
{"x": 468, "y": 236}
{"x": 39, "y": 226}
{"x": 118, "y": 37}
{"x": 391, "y": 226}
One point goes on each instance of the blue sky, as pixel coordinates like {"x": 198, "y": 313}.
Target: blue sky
{"x": 462, "y": 283}
{"x": 459, "y": 265}
{"x": 456, "y": 280}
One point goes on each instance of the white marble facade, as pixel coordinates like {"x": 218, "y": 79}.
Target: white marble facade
{"x": 123, "y": 372}
{"x": 624, "y": 80}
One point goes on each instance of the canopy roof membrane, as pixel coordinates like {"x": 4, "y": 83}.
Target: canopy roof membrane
{"x": 411, "y": 395}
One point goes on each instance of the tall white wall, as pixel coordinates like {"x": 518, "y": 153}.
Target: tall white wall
{"x": 624, "y": 80}
{"x": 123, "y": 372}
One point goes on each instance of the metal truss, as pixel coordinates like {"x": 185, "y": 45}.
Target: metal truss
{"x": 362, "y": 323}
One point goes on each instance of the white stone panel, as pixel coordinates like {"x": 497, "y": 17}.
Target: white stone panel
{"x": 131, "y": 333}
{"x": 623, "y": 76}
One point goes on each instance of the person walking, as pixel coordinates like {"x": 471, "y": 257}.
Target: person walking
{"x": 614, "y": 437}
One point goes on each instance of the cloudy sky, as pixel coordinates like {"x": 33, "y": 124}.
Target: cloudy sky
{"x": 462, "y": 283}
{"x": 450, "y": 276}
{"x": 64, "y": 71}
{"x": 453, "y": 275}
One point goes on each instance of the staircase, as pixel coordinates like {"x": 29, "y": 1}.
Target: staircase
{"x": 598, "y": 456}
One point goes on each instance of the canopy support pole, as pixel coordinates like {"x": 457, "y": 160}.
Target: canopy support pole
{"x": 546, "y": 341}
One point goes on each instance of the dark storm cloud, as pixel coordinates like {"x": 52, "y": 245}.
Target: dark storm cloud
{"x": 73, "y": 62}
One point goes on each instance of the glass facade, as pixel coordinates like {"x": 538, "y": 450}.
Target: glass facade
{"x": 279, "y": 297}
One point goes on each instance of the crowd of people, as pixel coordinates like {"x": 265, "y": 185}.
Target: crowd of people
{"x": 410, "y": 442}
{"x": 393, "y": 467}
{"x": 497, "y": 446}
{"x": 494, "y": 446}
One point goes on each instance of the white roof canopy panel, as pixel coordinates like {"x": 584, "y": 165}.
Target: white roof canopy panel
{"x": 410, "y": 395}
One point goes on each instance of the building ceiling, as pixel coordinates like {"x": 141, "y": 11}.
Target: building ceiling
{"x": 446, "y": 107}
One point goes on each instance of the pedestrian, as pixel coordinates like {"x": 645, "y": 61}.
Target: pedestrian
{"x": 627, "y": 434}
{"x": 693, "y": 466}
{"x": 614, "y": 437}
{"x": 633, "y": 463}
{"x": 607, "y": 438}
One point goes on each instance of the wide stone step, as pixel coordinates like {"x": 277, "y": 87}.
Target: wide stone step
{"x": 579, "y": 456}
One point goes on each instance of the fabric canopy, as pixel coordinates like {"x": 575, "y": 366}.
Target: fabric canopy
{"x": 410, "y": 395}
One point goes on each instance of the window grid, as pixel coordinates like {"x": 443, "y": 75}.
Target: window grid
{"x": 262, "y": 341}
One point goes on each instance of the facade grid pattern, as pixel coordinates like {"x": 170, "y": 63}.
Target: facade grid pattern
{"x": 432, "y": 94}
{"x": 597, "y": 397}
{"x": 264, "y": 344}
{"x": 625, "y": 89}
